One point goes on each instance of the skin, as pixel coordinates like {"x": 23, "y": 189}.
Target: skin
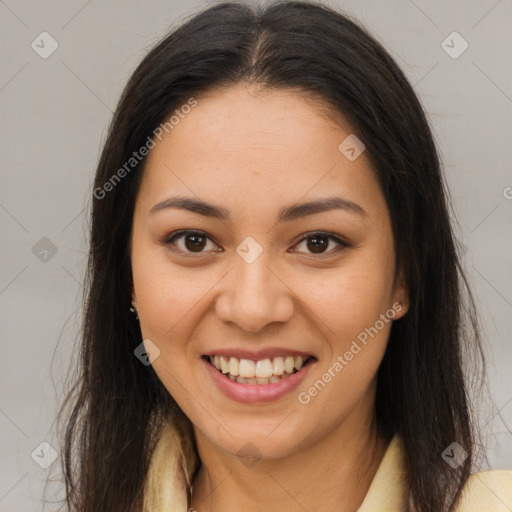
{"x": 252, "y": 153}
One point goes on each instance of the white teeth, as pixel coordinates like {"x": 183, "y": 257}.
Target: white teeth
{"x": 224, "y": 364}
{"x": 289, "y": 364}
{"x": 278, "y": 366}
{"x": 234, "y": 366}
{"x": 247, "y": 368}
{"x": 264, "y": 371}
{"x": 270, "y": 380}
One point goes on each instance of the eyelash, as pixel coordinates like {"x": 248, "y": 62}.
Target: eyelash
{"x": 181, "y": 233}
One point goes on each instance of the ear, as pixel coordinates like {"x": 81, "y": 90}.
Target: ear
{"x": 400, "y": 299}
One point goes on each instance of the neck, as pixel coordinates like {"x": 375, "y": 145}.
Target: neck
{"x": 336, "y": 471}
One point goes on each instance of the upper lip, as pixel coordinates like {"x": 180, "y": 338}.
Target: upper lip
{"x": 257, "y": 355}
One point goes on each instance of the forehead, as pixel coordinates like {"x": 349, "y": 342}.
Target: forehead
{"x": 268, "y": 146}
{"x": 244, "y": 117}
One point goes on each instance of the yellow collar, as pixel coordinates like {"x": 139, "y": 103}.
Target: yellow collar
{"x": 166, "y": 483}
{"x": 485, "y": 491}
{"x": 387, "y": 488}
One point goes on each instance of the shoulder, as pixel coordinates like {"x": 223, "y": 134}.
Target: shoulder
{"x": 488, "y": 490}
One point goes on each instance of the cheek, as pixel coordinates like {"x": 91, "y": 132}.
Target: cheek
{"x": 169, "y": 301}
{"x": 353, "y": 309}
{"x": 167, "y": 294}
{"x": 349, "y": 299}
{"x": 355, "y": 321}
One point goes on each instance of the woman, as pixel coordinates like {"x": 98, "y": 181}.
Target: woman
{"x": 269, "y": 205}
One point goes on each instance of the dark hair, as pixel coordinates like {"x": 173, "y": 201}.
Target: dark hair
{"x": 119, "y": 405}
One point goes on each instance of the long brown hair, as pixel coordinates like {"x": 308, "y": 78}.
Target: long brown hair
{"x": 118, "y": 406}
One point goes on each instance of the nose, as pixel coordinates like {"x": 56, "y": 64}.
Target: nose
{"x": 254, "y": 295}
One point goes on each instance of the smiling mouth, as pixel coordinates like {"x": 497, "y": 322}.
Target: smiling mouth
{"x": 261, "y": 372}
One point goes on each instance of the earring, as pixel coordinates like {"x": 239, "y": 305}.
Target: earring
{"x": 133, "y": 310}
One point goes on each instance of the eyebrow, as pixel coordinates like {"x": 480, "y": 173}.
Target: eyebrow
{"x": 286, "y": 214}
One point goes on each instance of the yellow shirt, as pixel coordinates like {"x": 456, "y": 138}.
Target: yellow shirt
{"x": 489, "y": 491}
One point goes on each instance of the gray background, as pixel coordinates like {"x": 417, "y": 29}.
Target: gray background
{"x": 54, "y": 116}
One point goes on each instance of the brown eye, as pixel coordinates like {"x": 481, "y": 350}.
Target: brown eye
{"x": 190, "y": 241}
{"x": 317, "y": 243}
{"x": 195, "y": 242}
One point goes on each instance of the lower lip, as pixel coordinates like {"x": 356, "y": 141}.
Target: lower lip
{"x": 257, "y": 393}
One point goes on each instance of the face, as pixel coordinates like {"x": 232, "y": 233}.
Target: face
{"x": 256, "y": 277}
